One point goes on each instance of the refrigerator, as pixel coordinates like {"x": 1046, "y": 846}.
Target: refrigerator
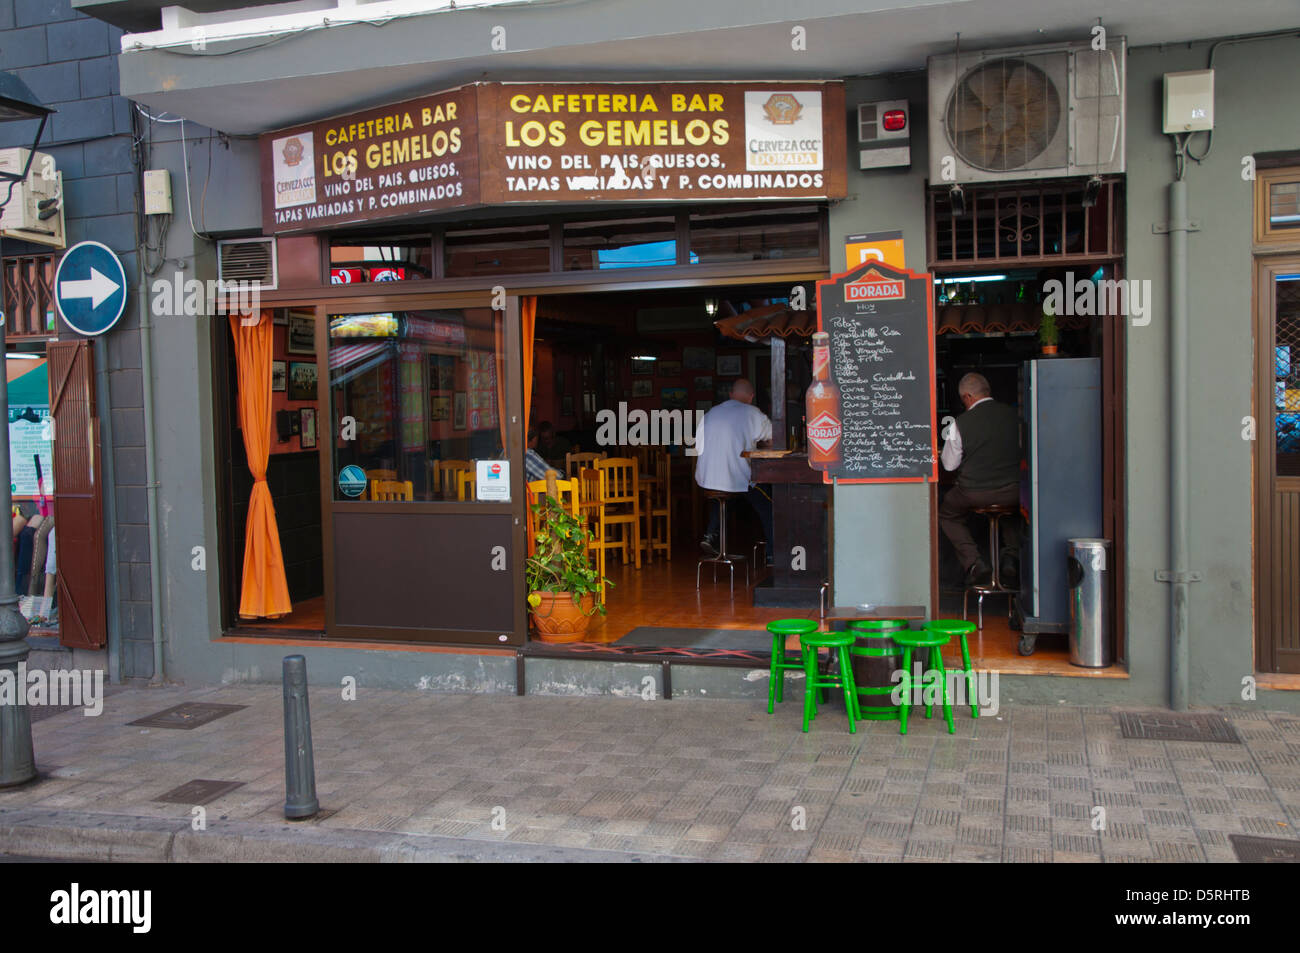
{"x": 1061, "y": 486}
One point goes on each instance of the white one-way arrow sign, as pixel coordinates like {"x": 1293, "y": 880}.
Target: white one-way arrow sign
{"x": 98, "y": 287}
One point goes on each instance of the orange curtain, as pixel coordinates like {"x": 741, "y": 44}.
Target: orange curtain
{"x": 265, "y": 592}
{"x": 528, "y": 318}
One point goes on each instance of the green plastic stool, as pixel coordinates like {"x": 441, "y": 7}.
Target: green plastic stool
{"x": 923, "y": 640}
{"x": 960, "y": 629}
{"x": 879, "y": 630}
{"x": 839, "y": 643}
{"x": 781, "y": 663}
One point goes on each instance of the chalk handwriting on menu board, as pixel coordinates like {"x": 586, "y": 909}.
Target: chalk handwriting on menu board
{"x": 882, "y": 359}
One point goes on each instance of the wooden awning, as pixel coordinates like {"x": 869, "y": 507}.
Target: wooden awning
{"x": 771, "y": 320}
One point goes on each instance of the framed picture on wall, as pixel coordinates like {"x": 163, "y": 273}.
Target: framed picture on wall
{"x": 673, "y": 398}
{"x": 642, "y": 368}
{"x": 279, "y": 376}
{"x": 459, "y": 410}
{"x": 440, "y": 409}
{"x": 566, "y": 405}
{"x": 669, "y": 369}
{"x": 302, "y": 380}
{"x": 643, "y": 388}
{"x": 698, "y": 358}
{"x": 704, "y": 384}
{"x": 307, "y": 429}
{"x": 729, "y": 365}
{"x": 279, "y": 316}
{"x": 301, "y": 336}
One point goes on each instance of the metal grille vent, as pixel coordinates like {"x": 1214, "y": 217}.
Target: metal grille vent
{"x": 248, "y": 259}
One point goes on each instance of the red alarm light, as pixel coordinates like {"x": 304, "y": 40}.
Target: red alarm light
{"x": 894, "y": 120}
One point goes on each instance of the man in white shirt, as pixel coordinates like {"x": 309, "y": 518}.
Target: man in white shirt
{"x": 727, "y": 431}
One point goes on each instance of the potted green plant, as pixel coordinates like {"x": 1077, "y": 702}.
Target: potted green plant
{"x": 563, "y": 587}
{"x": 1047, "y": 331}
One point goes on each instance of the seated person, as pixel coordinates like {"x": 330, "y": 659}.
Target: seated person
{"x": 550, "y": 445}
{"x": 727, "y": 431}
{"x": 985, "y": 443}
{"x": 534, "y": 466}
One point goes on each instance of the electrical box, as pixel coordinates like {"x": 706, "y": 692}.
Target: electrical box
{"x": 884, "y": 134}
{"x": 157, "y": 192}
{"x": 34, "y": 211}
{"x": 1189, "y": 101}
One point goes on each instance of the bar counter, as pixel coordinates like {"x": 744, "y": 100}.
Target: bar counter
{"x": 800, "y": 516}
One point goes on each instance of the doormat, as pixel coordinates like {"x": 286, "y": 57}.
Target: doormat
{"x": 198, "y": 791}
{"x": 1169, "y": 726}
{"x": 188, "y": 715}
{"x": 1265, "y": 850}
{"x": 745, "y": 640}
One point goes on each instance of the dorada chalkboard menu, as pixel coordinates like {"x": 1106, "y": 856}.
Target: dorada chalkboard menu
{"x": 880, "y": 322}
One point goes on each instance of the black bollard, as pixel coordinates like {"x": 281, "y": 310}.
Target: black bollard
{"x": 299, "y": 765}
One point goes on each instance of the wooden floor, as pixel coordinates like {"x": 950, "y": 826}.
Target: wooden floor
{"x": 307, "y": 614}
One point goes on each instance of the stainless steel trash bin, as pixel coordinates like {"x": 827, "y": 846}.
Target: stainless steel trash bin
{"x": 1089, "y": 573}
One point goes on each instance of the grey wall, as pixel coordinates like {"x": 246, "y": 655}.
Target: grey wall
{"x": 1255, "y": 87}
{"x": 882, "y": 531}
{"x": 68, "y": 61}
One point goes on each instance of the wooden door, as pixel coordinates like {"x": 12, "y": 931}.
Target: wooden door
{"x": 78, "y": 496}
{"x": 1277, "y": 550}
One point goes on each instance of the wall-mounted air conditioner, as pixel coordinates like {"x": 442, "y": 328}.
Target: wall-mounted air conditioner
{"x": 34, "y": 212}
{"x": 247, "y": 260}
{"x": 1027, "y": 113}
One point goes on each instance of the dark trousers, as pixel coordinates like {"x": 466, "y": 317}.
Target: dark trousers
{"x": 957, "y": 505}
{"x": 761, "y": 504}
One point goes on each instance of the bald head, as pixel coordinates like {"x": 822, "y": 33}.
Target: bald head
{"x": 973, "y": 388}
{"x": 743, "y": 391}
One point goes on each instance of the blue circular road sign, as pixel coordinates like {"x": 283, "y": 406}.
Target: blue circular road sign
{"x": 352, "y": 481}
{"x": 90, "y": 288}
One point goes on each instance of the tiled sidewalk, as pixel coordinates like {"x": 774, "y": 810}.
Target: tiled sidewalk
{"x": 698, "y": 779}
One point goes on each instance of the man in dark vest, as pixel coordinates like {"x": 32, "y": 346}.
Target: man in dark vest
{"x": 985, "y": 443}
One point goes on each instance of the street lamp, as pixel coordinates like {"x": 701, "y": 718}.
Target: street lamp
{"x": 17, "y": 759}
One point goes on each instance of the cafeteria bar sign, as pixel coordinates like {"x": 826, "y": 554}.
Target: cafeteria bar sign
{"x": 505, "y": 143}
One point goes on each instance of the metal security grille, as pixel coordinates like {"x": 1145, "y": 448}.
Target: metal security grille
{"x": 1286, "y": 374}
{"x": 29, "y": 295}
{"x": 1027, "y": 224}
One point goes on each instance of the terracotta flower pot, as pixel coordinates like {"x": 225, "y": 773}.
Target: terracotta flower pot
{"x": 1049, "y": 348}
{"x": 557, "y": 619}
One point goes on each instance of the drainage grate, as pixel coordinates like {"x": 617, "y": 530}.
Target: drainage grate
{"x": 1168, "y": 726}
{"x": 198, "y": 791}
{"x": 1265, "y": 850}
{"x": 188, "y": 715}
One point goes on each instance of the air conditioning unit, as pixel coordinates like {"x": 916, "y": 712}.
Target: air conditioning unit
{"x": 246, "y": 260}
{"x": 34, "y": 212}
{"x": 1027, "y": 113}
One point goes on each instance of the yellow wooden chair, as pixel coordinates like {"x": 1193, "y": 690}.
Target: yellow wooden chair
{"x": 447, "y": 486}
{"x": 390, "y": 490}
{"x": 376, "y": 476}
{"x": 588, "y": 482}
{"x": 576, "y": 462}
{"x": 658, "y": 508}
{"x": 467, "y": 485}
{"x": 620, "y": 506}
